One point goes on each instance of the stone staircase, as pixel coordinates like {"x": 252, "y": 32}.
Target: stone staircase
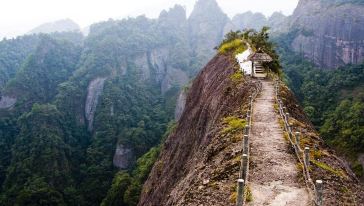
{"x": 259, "y": 70}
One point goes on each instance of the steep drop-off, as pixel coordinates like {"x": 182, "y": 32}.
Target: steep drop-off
{"x": 200, "y": 160}
{"x": 198, "y": 163}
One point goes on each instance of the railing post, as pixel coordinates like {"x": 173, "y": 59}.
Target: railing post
{"x": 247, "y": 129}
{"x": 246, "y": 145}
{"x": 244, "y": 165}
{"x": 307, "y": 157}
{"x": 319, "y": 188}
{"x": 298, "y": 140}
{"x": 290, "y": 129}
{"x": 240, "y": 195}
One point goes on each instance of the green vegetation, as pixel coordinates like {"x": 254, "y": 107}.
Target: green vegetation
{"x": 47, "y": 155}
{"x": 237, "y": 77}
{"x": 248, "y": 194}
{"x": 125, "y": 189}
{"x": 234, "y": 124}
{"x": 236, "y": 42}
{"x": 332, "y": 99}
{"x": 12, "y": 54}
{"x": 326, "y": 167}
{"x": 236, "y": 46}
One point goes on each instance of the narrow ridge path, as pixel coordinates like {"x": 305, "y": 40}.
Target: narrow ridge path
{"x": 273, "y": 175}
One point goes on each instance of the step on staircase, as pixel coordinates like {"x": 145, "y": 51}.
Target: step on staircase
{"x": 259, "y": 71}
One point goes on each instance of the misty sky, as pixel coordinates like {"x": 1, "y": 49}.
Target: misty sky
{"x": 19, "y": 16}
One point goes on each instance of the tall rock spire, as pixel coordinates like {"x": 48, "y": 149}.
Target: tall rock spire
{"x": 206, "y": 20}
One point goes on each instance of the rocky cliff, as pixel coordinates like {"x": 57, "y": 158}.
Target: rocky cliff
{"x": 197, "y": 156}
{"x": 250, "y": 20}
{"x": 329, "y": 33}
{"x": 206, "y": 20}
{"x": 200, "y": 160}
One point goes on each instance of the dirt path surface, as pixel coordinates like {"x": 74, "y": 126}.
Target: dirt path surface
{"x": 273, "y": 175}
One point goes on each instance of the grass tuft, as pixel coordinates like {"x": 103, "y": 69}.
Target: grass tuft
{"x": 326, "y": 167}
{"x": 237, "y": 46}
{"x": 234, "y": 124}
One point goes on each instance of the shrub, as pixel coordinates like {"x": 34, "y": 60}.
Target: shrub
{"x": 236, "y": 46}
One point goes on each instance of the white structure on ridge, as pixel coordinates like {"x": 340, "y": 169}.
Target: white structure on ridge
{"x": 245, "y": 64}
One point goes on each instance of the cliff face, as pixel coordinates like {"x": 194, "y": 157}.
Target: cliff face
{"x": 197, "y": 155}
{"x": 329, "y": 34}
{"x": 200, "y": 160}
{"x": 250, "y": 20}
{"x": 206, "y": 28}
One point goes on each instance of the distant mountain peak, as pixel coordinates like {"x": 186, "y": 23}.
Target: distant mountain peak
{"x": 206, "y": 5}
{"x": 63, "y": 25}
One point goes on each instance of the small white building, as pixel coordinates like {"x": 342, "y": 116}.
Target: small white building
{"x": 251, "y": 63}
{"x": 245, "y": 64}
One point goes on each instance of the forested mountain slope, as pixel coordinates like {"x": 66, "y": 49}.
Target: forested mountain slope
{"x": 99, "y": 104}
{"x": 82, "y": 119}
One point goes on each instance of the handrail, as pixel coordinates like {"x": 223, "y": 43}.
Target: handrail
{"x": 244, "y": 167}
{"x": 305, "y": 161}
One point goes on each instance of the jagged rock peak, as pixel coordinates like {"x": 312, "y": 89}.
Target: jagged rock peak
{"x": 250, "y": 20}
{"x": 277, "y": 15}
{"x": 63, "y": 25}
{"x": 209, "y": 7}
{"x": 178, "y": 12}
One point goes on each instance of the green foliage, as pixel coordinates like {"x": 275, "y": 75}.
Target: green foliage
{"x": 47, "y": 155}
{"x": 234, "y": 124}
{"x": 332, "y": 99}
{"x": 119, "y": 185}
{"x": 13, "y": 53}
{"x": 236, "y": 46}
{"x": 344, "y": 127}
{"x": 326, "y": 167}
{"x": 125, "y": 190}
{"x": 51, "y": 64}
{"x": 237, "y": 77}
{"x": 237, "y": 41}
{"x": 39, "y": 148}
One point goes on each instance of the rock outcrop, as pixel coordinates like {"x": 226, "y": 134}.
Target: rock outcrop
{"x": 192, "y": 156}
{"x": 206, "y": 20}
{"x": 180, "y": 104}
{"x": 250, "y": 20}
{"x": 123, "y": 157}
{"x": 329, "y": 34}
{"x": 7, "y": 102}
{"x": 94, "y": 91}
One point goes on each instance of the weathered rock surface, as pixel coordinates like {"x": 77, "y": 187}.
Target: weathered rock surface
{"x": 196, "y": 158}
{"x": 94, "y": 91}
{"x": 250, "y": 20}
{"x": 123, "y": 157}
{"x": 206, "y": 20}
{"x": 180, "y": 104}
{"x": 7, "y": 102}
{"x": 329, "y": 34}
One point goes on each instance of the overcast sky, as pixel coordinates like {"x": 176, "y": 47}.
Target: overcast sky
{"x": 19, "y": 16}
